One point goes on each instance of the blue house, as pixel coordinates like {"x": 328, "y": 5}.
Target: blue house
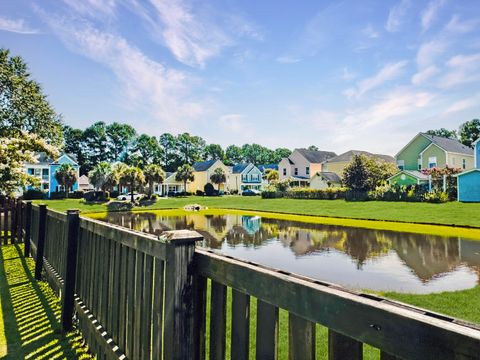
{"x": 468, "y": 182}
{"x": 45, "y": 168}
{"x": 245, "y": 176}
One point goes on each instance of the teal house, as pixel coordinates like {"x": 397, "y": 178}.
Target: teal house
{"x": 468, "y": 182}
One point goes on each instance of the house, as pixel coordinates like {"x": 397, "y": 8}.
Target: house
{"x": 409, "y": 177}
{"x": 84, "y": 183}
{"x": 44, "y": 168}
{"x": 468, "y": 182}
{"x": 245, "y": 176}
{"x": 338, "y": 163}
{"x": 323, "y": 180}
{"x": 426, "y": 151}
{"x": 302, "y": 164}
{"x": 169, "y": 186}
{"x": 203, "y": 171}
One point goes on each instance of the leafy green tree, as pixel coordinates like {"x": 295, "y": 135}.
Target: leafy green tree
{"x": 145, "y": 150}
{"x": 14, "y": 152}
{"x": 469, "y": 132}
{"x": 101, "y": 176}
{"x": 218, "y": 177}
{"x": 118, "y": 169}
{"x": 271, "y": 175}
{"x": 379, "y": 171}
{"x": 312, "y": 148}
{"x": 190, "y": 148}
{"x": 66, "y": 176}
{"x": 356, "y": 175}
{"x": 233, "y": 155}
{"x": 450, "y": 134}
{"x": 213, "y": 152}
{"x": 185, "y": 173}
{"x": 133, "y": 177}
{"x": 153, "y": 174}
{"x": 73, "y": 144}
{"x": 119, "y": 136}
{"x": 279, "y": 154}
{"x": 23, "y": 106}
{"x": 168, "y": 145}
{"x": 95, "y": 143}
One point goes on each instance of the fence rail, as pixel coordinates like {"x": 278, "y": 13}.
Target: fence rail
{"x": 137, "y": 296}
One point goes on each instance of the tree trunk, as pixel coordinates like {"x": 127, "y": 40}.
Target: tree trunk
{"x": 131, "y": 192}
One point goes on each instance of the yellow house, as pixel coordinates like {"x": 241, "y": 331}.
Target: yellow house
{"x": 338, "y": 163}
{"x": 203, "y": 171}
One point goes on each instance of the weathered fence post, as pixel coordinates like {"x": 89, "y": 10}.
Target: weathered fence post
{"x": 42, "y": 225}
{"x": 28, "y": 224}
{"x": 73, "y": 223}
{"x": 179, "y": 342}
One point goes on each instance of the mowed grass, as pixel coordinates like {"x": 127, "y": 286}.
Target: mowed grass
{"x": 30, "y": 313}
{"x": 452, "y": 213}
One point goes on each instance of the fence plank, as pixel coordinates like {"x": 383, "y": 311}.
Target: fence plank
{"x": 5, "y": 223}
{"x": 122, "y": 313}
{"x": 137, "y": 323}
{"x": 267, "y": 331}
{"x": 146, "y": 323}
{"x": 28, "y": 224}
{"x": 218, "y": 320}
{"x": 343, "y": 347}
{"x": 200, "y": 311}
{"x": 387, "y": 356}
{"x": 42, "y": 223}
{"x": 301, "y": 338}
{"x": 157, "y": 315}
{"x": 240, "y": 325}
{"x": 130, "y": 303}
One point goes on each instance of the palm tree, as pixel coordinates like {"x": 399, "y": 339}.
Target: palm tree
{"x": 153, "y": 174}
{"x": 132, "y": 176}
{"x": 185, "y": 173}
{"x": 218, "y": 177}
{"x": 66, "y": 176}
{"x": 117, "y": 175}
{"x": 101, "y": 175}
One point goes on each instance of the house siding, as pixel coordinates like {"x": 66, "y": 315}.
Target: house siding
{"x": 432, "y": 151}
{"x": 469, "y": 187}
{"x": 456, "y": 160}
{"x": 335, "y": 167}
{"x": 403, "y": 179}
{"x": 203, "y": 177}
{"x": 412, "y": 152}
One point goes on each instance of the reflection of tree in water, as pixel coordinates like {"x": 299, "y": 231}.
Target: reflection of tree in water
{"x": 217, "y": 222}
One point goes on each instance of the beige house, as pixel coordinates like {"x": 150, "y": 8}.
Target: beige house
{"x": 324, "y": 180}
{"x": 302, "y": 164}
{"x": 338, "y": 163}
{"x": 203, "y": 171}
{"x": 84, "y": 183}
{"x": 169, "y": 186}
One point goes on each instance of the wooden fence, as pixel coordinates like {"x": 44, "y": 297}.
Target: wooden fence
{"x": 137, "y": 296}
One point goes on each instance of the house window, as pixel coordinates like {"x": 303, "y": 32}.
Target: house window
{"x": 30, "y": 171}
{"x": 307, "y": 170}
{"x": 464, "y": 164}
{"x": 432, "y": 162}
{"x": 45, "y": 174}
{"x": 296, "y": 171}
{"x": 419, "y": 164}
{"x": 45, "y": 186}
{"x": 284, "y": 171}
{"x": 37, "y": 172}
{"x": 401, "y": 164}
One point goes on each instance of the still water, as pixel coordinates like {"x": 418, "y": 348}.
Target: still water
{"x": 356, "y": 258}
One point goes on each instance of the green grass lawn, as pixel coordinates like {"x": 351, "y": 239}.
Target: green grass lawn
{"x": 452, "y": 213}
{"x": 30, "y": 313}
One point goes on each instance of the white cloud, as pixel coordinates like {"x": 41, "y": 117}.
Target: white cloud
{"x": 16, "y": 25}
{"x": 425, "y": 74}
{"x": 387, "y": 73}
{"x": 396, "y": 15}
{"x": 464, "y": 69}
{"x": 456, "y": 25}
{"x": 92, "y": 8}
{"x": 232, "y": 122}
{"x": 464, "y": 104}
{"x": 429, "y": 51}
{"x": 370, "y": 32}
{"x": 287, "y": 59}
{"x": 348, "y": 75}
{"x": 430, "y": 13}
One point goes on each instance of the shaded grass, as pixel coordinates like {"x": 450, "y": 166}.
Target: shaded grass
{"x": 30, "y": 313}
{"x": 452, "y": 213}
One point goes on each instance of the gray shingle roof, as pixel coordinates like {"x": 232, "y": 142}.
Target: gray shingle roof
{"x": 348, "y": 156}
{"x": 203, "y": 165}
{"x": 238, "y": 168}
{"x": 330, "y": 176}
{"x": 316, "y": 156}
{"x": 450, "y": 145}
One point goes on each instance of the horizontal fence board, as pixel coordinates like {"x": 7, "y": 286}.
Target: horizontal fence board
{"x": 145, "y": 243}
{"x": 396, "y": 330}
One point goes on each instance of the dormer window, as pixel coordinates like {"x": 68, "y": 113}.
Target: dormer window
{"x": 296, "y": 171}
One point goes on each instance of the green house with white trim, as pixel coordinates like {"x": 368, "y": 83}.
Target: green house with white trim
{"x": 426, "y": 151}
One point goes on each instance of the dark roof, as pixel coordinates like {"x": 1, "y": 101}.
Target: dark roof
{"x": 43, "y": 158}
{"x": 238, "y": 168}
{"x": 316, "y": 156}
{"x": 450, "y": 145}
{"x": 348, "y": 156}
{"x": 330, "y": 176}
{"x": 203, "y": 165}
{"x": 264, "y": 167}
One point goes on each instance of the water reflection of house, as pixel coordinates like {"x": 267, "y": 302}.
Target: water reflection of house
{"x": 251, "y": 224}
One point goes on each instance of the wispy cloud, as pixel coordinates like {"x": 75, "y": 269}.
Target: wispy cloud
{"x": 370, "y": 32}
{"x": 287, "y": 59}
{"x": 92, "y": 8}
{"x": 232, "y": 122}
{"x": 425, "y": 74}
{"x": 16, "y": 25}
{"x": 462, "y": 26}
{"x": 429, "y": 51}
{"x": 464, "y": 104}
{"x": 464, "y": 69}
{"x": 387, "y": 73}
{"x": 396, "y": 15}
{"x": 430, "y": 13}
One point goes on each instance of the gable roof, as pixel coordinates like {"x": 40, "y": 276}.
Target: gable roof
{"x": 83, "y": 180}
{"x": 316, "y": 156}
{"x": 449, "y": 145}
{"x": 348, "y": 156}
{"x": 204, "y": 165}
{"x": 466, "y": 172}
{"x": 415, "y": 173}
{"x": 43, "y": 159}
{"x": 329, "y": 176}
{"x": 238, "y": 168}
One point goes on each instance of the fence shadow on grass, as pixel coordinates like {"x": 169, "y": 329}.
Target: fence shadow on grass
{"x": 31, "y": 312}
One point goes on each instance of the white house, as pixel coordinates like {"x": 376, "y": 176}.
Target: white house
{"x": 245, "y": 176}
{"x": 169, "y": 185}
{"x": 323, "y": 180}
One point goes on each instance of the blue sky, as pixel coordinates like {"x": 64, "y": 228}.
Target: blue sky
{"x": 341, "y": 75}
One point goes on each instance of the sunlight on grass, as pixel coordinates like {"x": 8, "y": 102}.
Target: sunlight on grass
{"x": 30, "y": 314}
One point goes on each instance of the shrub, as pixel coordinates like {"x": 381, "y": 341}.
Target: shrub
{"x": 209, "y": 190}
{"x": 356, "y": 195}
{"x": 90, "y": 196}
{"x": 319, "y": 194}
{"x": 114, "y": 194}
{"x": 272, "y": 194}
{"x": 77, "y": 194}
{"x": 57, "y": 195}
{"x": 34, "y": 194}
{"x": 199, "y": 193}
{"x": 436, "y": 197}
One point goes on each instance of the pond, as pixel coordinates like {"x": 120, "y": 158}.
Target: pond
{"x": 355, "y": 258}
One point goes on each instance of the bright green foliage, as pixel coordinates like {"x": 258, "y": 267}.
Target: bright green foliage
{"x": 145, "y": 150}
{"x": 190, "y": 148}
{"x": 451, "y": 134}
{"x": 132, "y": 177}
{"x": 119, "y": 137}
{"x": 365, "y": 173}
{"x": 213, "y": 152}
{"x": 469, "y": 132}
{"x": 272, "y": 175}
{"x": 153, "y": 174}
{"x": 101, "y": 176}
{"x": 184, "y": 174}
{"x": 218, "y": 177}
{"x": 66, "y": 176}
